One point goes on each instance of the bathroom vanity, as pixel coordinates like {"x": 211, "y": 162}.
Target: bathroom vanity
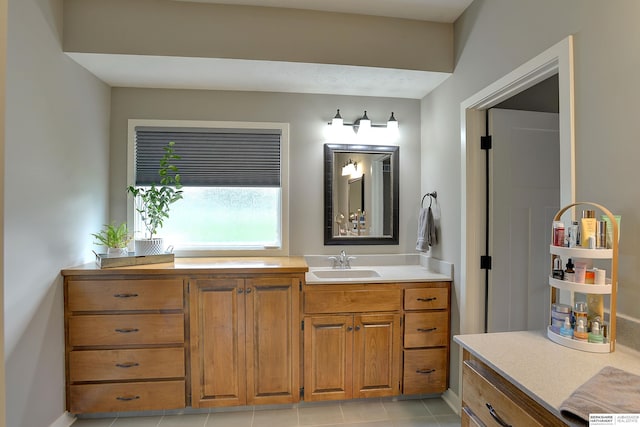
{"x": 209, "y": 332}
{"x": 523, "y": 377}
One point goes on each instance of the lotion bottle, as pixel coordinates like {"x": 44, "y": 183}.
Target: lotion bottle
{"x": 588, "y": 228}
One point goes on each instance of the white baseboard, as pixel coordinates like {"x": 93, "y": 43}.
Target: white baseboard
{"x": 65, "y": 420}
{"x": 453, "y": 400}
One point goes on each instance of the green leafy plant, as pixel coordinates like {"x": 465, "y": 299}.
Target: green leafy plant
{"x": 113, "y": 236}
{"x": 153, "y": 203}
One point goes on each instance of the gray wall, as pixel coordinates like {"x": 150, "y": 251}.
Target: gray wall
{"x": 308, "y": 116}
{"x": 56, "y": 168}
{"x": 494, "y": 37}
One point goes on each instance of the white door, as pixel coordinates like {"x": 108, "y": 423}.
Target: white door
{"x": 525, "y": 195}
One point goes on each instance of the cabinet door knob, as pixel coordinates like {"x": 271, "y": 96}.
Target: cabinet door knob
{"x": 240, "y": 290}
{"x": 357, "y": 327}
{"x": 125, "y": 295}
{"x": 426, "y": 330}
{"x": 349, "y": 328}
{"x": 127, "y": 365}
{"x": 127, "y": 398}
{"x": 427, "y": 299}
{"x": 496, "y": 417}
{"x": 248, "y": 290}
{"x": 425, "y": 371}
{"x": 127, "y": 330}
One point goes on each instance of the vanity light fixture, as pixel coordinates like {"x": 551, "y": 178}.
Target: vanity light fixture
{"x": 392, "y": 123}
{"x": 363, "y": 124}
{"x": 350, "y": 168}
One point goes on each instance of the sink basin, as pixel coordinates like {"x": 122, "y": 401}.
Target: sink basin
{"x": 345, "y": 274}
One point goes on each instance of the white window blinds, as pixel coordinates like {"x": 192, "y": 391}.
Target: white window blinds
{"x": 211, "y": 157}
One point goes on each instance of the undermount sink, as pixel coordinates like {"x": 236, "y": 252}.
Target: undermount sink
{"x": 345, "y": 274}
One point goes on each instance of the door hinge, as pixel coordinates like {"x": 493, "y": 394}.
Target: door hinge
{"x": 302, "y": 325}
{"x": 485, "y": 142}
{"x": 301, "y": 392}
{"x": 485, "y": 262}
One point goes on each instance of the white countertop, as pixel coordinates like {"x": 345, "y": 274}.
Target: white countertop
{"x": 546, "y": 371}
{"x": 391, "y": 269}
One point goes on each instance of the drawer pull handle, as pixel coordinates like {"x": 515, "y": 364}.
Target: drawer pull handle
{"x": 426, "y": 330}
{"x": 127, "y": 330}
{"x": 127, "y": 365}
{"x": 427, "y": 299}
{"x": 496, "y": 417}
{"x": 127, "y": 398}
{"x": 425, "y": 371}
{"x": 125, "y": 295}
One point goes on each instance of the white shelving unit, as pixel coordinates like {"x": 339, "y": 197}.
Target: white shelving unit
{"x": 609, "y": 288}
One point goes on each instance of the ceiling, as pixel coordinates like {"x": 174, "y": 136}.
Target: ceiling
{"x": 423, "y": 10}
{"x": 273, "y": 76}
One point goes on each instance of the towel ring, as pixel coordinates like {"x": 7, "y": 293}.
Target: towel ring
{"x": 433, "y": 195}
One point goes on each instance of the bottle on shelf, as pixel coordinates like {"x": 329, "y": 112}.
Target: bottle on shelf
{"x": 569, "y": 272}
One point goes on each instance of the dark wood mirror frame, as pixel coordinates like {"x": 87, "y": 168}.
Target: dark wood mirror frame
{"x": 329, "y": 164}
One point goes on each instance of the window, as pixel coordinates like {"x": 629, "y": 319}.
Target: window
{"x": 235, "y": 189}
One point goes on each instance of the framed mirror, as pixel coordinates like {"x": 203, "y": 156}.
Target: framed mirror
{"x": 361, "y": 194}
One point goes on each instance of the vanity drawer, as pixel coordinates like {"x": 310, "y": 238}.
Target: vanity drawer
{"x": 482, "y": 387}
{"x": 120, "y": 295}
{"x": 352, "y": 301}
{"x": 429, "y": 329}
{"x": 425, "y": 371}
{"x": 135, "y": 364}
{"x": 426, "y": 299}
{"x": 123, "y": 397}
{"x": 110, "y": 330}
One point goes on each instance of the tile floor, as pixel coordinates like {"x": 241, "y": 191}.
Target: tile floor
{"x": 433, "y": 412}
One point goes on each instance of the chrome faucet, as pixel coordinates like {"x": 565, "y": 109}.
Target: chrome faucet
{"x": 342, "y": 261}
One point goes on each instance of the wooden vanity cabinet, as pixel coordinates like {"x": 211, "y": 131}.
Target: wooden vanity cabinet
{"x": 426, "y": 337}
{"x": 244, "y": 340}
{"x": 489, "y": 399}
{"x": 125, "y": 344}
{"x": 352, "y": 341}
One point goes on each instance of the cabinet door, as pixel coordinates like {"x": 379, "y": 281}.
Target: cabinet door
{"x": 217, "y": 314}
{"x": 376, "y": 355}
{"x": 328, "y": 357}
{"x": 272, "y": 340}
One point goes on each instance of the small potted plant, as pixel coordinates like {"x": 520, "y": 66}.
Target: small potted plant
{"x": 115, "y": 238}
{"x": 153, "y": 203}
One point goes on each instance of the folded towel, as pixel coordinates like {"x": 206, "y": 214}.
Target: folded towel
{"x": 427, "y": 235}
{"x": 610, "y": 391}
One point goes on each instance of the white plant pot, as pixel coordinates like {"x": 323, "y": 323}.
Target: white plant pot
{"x": 117, "y": 252}
{"x": 149, "y": 246}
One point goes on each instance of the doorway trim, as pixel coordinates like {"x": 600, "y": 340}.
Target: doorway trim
{"x": 558, "y": 59}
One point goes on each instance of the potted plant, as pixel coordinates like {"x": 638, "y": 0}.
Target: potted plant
{"x": 115, "y": 238}
{"x": 153, "y": 203}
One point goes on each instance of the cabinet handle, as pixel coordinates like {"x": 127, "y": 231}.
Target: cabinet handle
{"x": 125, "y": 295}
{"x": 127, "y": 398}
{"x": 240, "y": 290}
{"x": 127, "y": 365}
{"x": 427, "y": 299}
{"x": 126, "y": 330}
{"x": 248, "y": 290}
{"x": 426, "y": 330}
{"x": 496, "y": 417}
{"x": 357, "y": 327}
{"x": 425, "y": 371}
{"x": 349, "y": 328}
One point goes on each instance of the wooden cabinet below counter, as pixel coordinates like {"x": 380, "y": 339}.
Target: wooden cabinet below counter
{"x": 373, "y": 340}
{"x": 125, "y": 342}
